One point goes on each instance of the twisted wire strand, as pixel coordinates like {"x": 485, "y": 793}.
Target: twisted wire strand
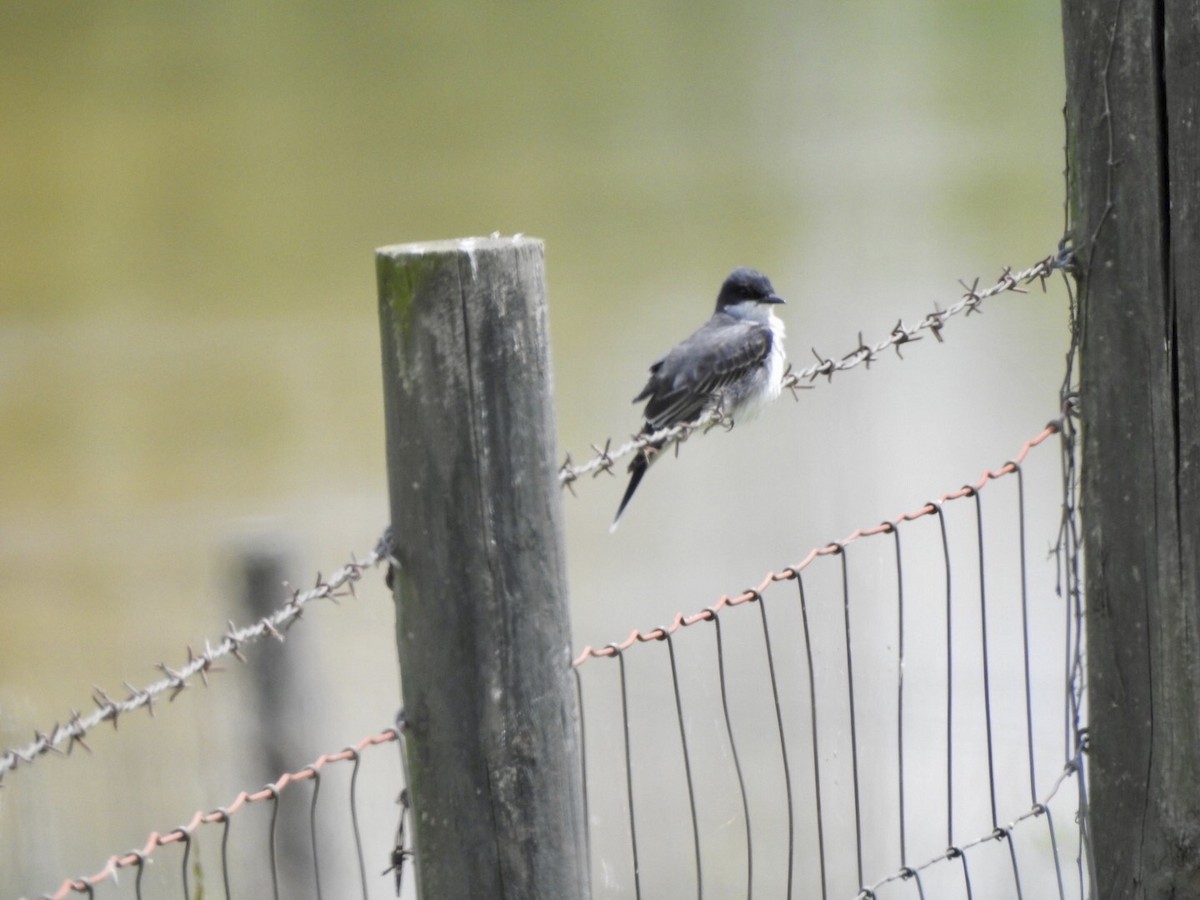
{"x": 339, "y": 584}
{"x": 221, "y": 814}
{"x": 791, "y": 572}
{"x": 999, "y": 833}
{"x": 971, "y": 301}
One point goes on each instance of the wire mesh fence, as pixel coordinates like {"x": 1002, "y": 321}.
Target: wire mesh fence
{"x": 243, "y": 849}
{"x": 64, "y": 737}
{"x": 890, "y": 723}
{"x": 897, "y": 715}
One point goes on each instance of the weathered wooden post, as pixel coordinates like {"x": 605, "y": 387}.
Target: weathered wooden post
{"x": 481, "y": 607}
{"x": 1133, "y": 138}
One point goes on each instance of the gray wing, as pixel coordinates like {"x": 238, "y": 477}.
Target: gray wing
{"x": 720, "y": 352}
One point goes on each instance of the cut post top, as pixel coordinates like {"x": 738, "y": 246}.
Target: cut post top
{"x": 457, "y": 245}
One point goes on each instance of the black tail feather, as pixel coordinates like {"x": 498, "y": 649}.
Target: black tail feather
{"x": 637, "y": 470}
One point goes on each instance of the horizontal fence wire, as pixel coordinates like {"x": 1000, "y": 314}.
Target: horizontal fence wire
{"x": 73, "y": 731}
{"x": 825, "y": 801}
{"x": 186, "y": 833}
{"x": 830, "y": 837}
{"x": 971, "y": 301}
{"x": 790, "y": 573}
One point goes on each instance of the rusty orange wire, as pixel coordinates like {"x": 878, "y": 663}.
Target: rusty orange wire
{"x": 791, "y": 572}
{"x": 221, "y": 814}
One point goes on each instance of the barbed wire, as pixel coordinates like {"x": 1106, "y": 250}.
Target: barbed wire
{"x": 222, "y": 814}
{"x": 109, "y": 709}
{"x": 795, "y": 380}
{"x": 835, "y": 547}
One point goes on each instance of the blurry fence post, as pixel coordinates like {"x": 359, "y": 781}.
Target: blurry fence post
{"x": 261, "y": 565}
{"x": 1133, "y": 138}
{"x": 481, "y": 624}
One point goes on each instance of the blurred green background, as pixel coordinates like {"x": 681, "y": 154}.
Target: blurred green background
{"x": 190, "y": 198}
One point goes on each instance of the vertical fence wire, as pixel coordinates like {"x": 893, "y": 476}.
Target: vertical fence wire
{"x": 983, "y": 658}
{"x": 908, "y": 873}
{"x": 273, "y": 839}
{"x": 962, "y": 858}
{"x": 1025, "y": 651}
{"x": 312, "y": 827}
{"x": 637, "y": 878}
{"x": 1012, "y": 855}
{"x": 841, "y": 551}
{"x": 937, "y": 511}
{"x": 358, "y": 846}
{"x": 737, "y": 764}
{"x": 816, "y": 752}
{"x": 141, "y": 870}
{"x": 1062, "y": 893}
{"x": 187, "y": 852}
{"x": 895, "y": 533}
{"x": 225, "y": 852}
{"x": 687, "y": 762}
{"x": 906, "y": 870}
{"x": 787, "y": 772}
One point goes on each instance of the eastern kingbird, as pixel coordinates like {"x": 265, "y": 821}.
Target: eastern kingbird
{"x": 732, "y": 364}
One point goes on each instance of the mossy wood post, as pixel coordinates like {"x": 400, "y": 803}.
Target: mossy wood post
{"x": 1133, "y": 139}
{"x": 481, "y": 607}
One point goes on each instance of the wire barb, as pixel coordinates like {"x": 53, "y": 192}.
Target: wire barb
{"x": 834, "y": 548}
{"x": 176, "y": 680}
{"x": 864, "y": 354}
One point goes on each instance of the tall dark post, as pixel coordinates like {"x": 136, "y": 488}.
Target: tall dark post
{"x": 481, "y": 611}
{"x": 1133, "y": 138}
{"x": 281, "y": 680}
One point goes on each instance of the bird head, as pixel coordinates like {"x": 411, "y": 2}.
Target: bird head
{"x": 745, "y": 289}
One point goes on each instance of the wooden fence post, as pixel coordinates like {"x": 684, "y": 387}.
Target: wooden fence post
{"x": 481, "y": 608}
{"x": 1133, "y": 139}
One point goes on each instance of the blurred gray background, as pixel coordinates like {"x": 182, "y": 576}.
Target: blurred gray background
{"x": 191, "y": 194}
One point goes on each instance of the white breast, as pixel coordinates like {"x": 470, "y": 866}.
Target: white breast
{"x": 777, "y": 361}
{"x": 744, "y": 401}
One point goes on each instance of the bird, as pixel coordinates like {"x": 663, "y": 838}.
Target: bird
{"x": 732, "y": 365}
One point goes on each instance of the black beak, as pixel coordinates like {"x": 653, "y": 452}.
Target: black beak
{"x": 773, "y": 298}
